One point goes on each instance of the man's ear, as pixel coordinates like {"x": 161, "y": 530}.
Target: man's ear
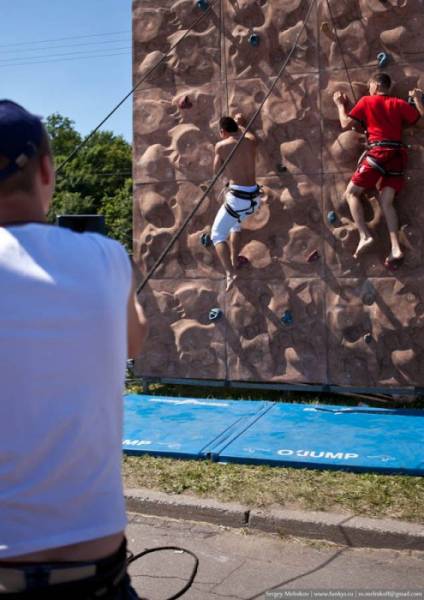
{"x": 46, "y": 169}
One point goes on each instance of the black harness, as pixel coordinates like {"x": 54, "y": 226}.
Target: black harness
{"x": 251, "y": 196}
{"x": 376, "y": 164}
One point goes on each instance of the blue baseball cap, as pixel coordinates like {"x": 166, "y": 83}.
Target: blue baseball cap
{"x": 21, "y": 134}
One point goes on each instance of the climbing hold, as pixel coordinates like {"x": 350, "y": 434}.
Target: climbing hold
{"x": 205, "y": 240}
{"x": 185, "y": 103}
{"x": 314, "y": 256}
{"x": 382, "y": 59}
{"x": 331, "y": 217}
{"x": 254, "y": 40}
{"x": 281, "y": 168}
{"x": 202, "y": 4}
{"x": 241, "y": 261}
{"x": 215, "y": 314}
{"x": 368, "y": 338}
{"x": 287, "y": 318}
{"x": 326, "y": 30}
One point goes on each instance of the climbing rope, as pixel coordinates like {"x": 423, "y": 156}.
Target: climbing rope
{"x": 205, "y": 12}
{"x": 230, "y": 156}
{"x": 341, "y": 50}
{"x": 224, "y": 49}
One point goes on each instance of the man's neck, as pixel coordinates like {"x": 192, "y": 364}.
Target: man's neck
{"x": 11, "y": 222}
{"x": 17, "y": 209}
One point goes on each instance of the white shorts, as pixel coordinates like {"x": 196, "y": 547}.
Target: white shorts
{"x": 225, "y": 223}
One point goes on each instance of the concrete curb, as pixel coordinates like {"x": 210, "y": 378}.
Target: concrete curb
{"x": 356, "y": 532}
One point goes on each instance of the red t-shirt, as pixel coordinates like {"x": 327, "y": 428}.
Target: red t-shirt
{"x": 384, "y": 116}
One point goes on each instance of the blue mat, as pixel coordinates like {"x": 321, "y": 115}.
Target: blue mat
{"x": 332, "y": 437}
{"x": 296, "y": 435}
{"x": 184, "y": 427}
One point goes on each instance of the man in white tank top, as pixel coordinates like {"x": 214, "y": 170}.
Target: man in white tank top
{"x": 69, "y": 318}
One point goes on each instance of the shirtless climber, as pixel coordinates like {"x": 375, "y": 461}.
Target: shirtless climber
{"x": 243, "y": 196}
{"x": 383, "y": 164}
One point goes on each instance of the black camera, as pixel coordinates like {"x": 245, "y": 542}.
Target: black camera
{"x": 81, "y": 223}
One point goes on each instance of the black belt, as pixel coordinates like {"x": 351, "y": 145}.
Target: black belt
{"x": 244, "y": 196}
{"x": 58, "y": 579}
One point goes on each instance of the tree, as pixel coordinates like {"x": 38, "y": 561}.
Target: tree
{"x": 118, "y": 215}
{"x": 97, "y": 180}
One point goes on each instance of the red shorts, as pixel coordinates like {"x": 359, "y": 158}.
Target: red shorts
{"x": 392, "y": 159}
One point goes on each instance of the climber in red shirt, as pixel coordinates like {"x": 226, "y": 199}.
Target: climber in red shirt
{"x": 383, "y": 164}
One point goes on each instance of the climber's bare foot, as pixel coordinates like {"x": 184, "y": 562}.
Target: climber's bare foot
{"x": 394, "y": 260}
{"x": 231, "y": 278}
{"x": 364, "y": 244}
{"x": 395, "y": 255}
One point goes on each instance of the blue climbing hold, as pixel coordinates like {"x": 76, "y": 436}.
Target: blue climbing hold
{"x": 331, "y": 217}
{"x": 202, "y": 4}
{"x": 382, "y": 59}
{"x": 205, "y": 240}
{"x": 254, "y": 40}
{"x": 287, "y": 318}
{"x": 215, "y": 314}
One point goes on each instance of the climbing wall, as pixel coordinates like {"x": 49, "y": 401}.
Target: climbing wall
{"x": 304, "y": 311}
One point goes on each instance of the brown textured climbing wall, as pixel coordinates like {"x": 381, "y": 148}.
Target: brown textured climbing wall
{"x": 347, "y": 323}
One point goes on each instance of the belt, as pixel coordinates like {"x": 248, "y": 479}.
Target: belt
{"x": 245, "y": 195}
{"x": 21, "y": 577}
{"x": 18, "y": 580}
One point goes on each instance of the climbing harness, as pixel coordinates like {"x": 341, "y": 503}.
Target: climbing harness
{"x": 377, "y": 164}
{"x": 251, "y": 196}
{"x": 222, "y": 168}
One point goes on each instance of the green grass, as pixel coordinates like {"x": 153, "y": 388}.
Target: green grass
{"x": 399, "y": 497}
{"x": 134, "y": 386}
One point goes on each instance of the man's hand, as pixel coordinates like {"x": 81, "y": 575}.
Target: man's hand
{"x": 340, "y": 99}
{"x": 418, "y": 97}
{"x": 240, "y": 119}
{"x": 137, "y": 323}
{"x": 416, "y": 94}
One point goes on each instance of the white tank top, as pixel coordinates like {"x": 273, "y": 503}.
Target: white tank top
{"x": 63, "y": 349}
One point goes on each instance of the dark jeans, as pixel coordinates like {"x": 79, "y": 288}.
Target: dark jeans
{"x": 110, "y": 582}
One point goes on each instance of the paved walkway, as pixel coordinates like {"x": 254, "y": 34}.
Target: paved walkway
{"x": 240, "y": 565}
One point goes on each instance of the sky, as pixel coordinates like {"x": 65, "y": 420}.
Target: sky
{"x": 69, "y": 56}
